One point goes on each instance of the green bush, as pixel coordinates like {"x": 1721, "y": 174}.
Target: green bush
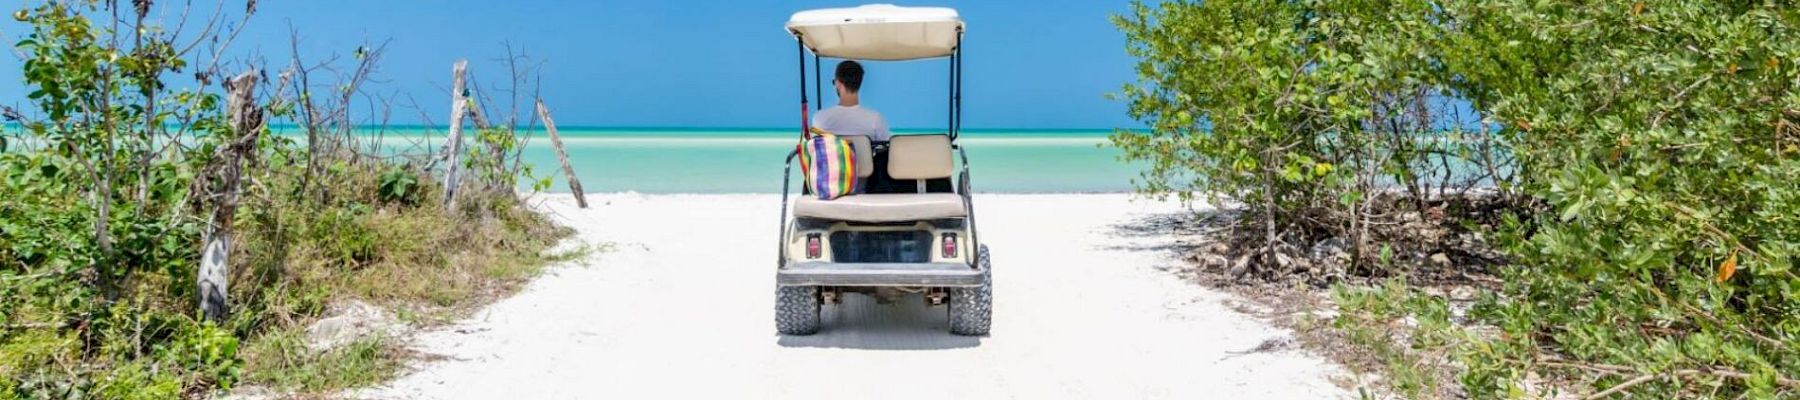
{"x": 208, "y": 351}
{"x": 1660, "y": 138}
{"x": 340, "y": 232}
{"x": 1308, "y": 113}
{"x": 1654, "y": 147}
{"x": 399, "y": 185}
{"x": 108, "y": 181}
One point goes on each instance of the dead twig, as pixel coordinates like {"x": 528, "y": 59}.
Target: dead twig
{"x": 1678, "y": 374}
{"x": 32, "y": 325}
{"x": 1622, "y": 386}
{"x": 1777, "y": 344}
{"x": 11, "y": 114}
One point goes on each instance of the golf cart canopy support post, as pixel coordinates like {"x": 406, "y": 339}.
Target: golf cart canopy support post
{"x": 818, "y": 85}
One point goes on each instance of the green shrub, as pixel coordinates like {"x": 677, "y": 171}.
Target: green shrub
{"x": 1660, "y": 138}
{"x": 1305, "y": 112}
{"x": 340, "y": 233}
{"x": 399, "y": 184}
{"x": 206, "y": 350}
{"x": 1654, "y": 147}
{"x": 107, "y": 186}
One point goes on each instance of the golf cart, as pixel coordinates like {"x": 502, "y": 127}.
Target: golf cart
{"x": 911, "y": 230}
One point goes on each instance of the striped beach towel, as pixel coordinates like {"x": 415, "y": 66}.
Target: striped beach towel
{"x": 829, "y": 165}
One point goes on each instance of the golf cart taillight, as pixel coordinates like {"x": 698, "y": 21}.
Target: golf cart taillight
{"x": 813, "y": 248}
{"x": 949, "y": 245}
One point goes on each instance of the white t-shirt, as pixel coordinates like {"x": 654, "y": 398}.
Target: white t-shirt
{"x": 853, "y": 120}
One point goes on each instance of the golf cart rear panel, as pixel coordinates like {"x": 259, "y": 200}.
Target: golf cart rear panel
{"x": 932, "y": 253}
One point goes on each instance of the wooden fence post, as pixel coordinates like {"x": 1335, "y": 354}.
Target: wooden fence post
{"x": 246, "y": 123}
{"x": 458, "y": 107}
{"x": 569, "y": 171}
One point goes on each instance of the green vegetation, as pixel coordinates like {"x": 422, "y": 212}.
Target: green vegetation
{"x": 281, "y": 359}
{"x": 1641, "y": 160}
{"x": 1405, "y": 334}
{"x": 106, "y": 186}
{"x": 1308, "y": 113}
{"x": 1661, "y": 141}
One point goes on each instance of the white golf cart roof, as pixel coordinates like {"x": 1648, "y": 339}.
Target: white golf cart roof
{"x": 878, "y": 32}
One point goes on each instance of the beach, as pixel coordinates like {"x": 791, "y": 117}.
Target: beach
{"x": 676, "y": 302}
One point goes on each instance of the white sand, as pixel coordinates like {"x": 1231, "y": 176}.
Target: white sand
{"x": 681, "y": 307}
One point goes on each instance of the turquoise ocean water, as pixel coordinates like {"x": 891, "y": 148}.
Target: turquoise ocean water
{"x": 663, "y": 160}
{"x": 749, "y": 160}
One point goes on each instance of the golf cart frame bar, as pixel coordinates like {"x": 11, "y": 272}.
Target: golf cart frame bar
{"x": 953, "y": 129}
{"x": 814, "y": 273}
{"x": 954, "y": 126}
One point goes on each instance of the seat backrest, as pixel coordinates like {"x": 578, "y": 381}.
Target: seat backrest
{"x": 865, "y": 155}
{"x": 919, "y": 157}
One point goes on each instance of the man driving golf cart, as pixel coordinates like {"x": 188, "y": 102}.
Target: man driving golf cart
{"x": 849, "y": 117}
{"x": 911, "y": 228}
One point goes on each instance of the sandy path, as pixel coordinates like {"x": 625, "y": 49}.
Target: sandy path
{"x": 681, "y": 307}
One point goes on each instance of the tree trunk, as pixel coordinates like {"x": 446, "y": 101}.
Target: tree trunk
{"x": 556, "y": 141}
{"x": 458, "y": 107}
{"x": 1270, "y": 258}
{"x": 246, "y": 122}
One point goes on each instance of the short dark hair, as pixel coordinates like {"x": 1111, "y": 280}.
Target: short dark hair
{"x": 850, "y": 73}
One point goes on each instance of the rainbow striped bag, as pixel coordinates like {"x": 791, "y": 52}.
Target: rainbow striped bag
{"x": 828, "y": 164}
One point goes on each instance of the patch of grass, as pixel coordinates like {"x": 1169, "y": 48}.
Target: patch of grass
{"x": 426, "y": 269}
{"x": 425, "y": 264}
{"x": 134, "y": 381}
{"x": 281, "y": 360}
{"x": 1403, "y": 336}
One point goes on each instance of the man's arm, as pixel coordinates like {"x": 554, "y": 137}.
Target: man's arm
{"x": 881, "y": 128}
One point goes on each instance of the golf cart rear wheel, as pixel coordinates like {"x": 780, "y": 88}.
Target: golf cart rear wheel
{"x": 972, "y": 309}
{"x": 797, "y": 310}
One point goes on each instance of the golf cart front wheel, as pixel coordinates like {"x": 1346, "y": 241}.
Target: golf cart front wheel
{"x": 972, "y": 309}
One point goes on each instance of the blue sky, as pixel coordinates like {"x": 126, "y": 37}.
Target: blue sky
{"x": 711, "y": 63}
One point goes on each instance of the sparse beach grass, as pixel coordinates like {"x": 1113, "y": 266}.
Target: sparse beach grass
{"x": 423, "y": 266}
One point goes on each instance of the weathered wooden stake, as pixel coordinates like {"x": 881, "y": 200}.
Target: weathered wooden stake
{"x": 458, "y": 108}
{"x": 246, "y": 122}
{"x": 569, "y": 171}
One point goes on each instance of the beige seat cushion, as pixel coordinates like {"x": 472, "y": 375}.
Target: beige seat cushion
{"x": 883, "y": 207}
{"x": 919, "y": 157}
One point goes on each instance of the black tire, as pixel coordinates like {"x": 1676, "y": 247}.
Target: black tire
{"x": 972, "y": 309}
{"x": 797, "y": 310}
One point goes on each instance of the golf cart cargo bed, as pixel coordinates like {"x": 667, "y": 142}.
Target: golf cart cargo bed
{"x": 817, "y": 273}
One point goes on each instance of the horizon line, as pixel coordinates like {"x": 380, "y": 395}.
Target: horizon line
{"x": 734, "y": 128}
{"x": 703, "y": 127}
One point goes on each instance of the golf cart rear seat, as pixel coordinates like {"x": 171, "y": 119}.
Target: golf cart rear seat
{"x": 917, "y": 158}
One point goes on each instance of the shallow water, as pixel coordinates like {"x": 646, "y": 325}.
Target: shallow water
{"x": 750, "y": 160}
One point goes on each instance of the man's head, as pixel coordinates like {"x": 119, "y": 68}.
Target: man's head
{"x": 849, "y": 78}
